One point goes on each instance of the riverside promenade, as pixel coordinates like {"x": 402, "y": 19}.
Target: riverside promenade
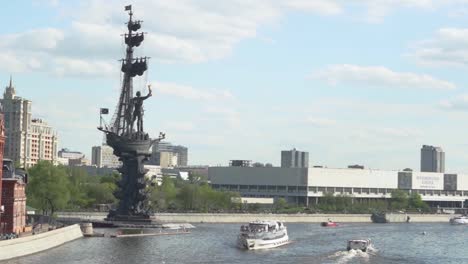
{"x": 242, "y": 218}
{"x": 28, "y": 245}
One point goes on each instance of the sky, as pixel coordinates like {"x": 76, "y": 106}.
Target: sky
{"x": 350, "y": 81}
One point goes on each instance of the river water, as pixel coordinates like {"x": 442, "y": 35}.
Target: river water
{"x": 215, "y": 243}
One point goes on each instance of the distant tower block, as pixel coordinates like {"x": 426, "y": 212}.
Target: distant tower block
{"x": 294, "y": 159}
{"x": 432, "y": 159}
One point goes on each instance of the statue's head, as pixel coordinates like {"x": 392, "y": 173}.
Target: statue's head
{"x": 138, "y": 94}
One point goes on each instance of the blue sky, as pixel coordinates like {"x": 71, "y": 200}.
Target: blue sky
{"x": 358, "y": 81}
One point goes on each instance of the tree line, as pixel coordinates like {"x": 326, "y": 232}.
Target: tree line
{"x": 53, "y": 188}
{"x": 400, "y": 201}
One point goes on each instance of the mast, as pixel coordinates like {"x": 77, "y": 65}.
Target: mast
{"x": 121, "y": 123}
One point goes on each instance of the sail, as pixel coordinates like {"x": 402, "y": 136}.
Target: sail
{"x": 122, "y": 120}
{"x": 134, "y": 25}
{"x": 136, "y": 68}
{"x": 134, "y": 40}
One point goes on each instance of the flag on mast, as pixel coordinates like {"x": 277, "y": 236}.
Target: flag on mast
{"x": 128, "y": 8}
{"x": 104, "y": 111}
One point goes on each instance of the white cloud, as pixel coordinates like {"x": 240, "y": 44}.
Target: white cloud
{"x": 183, "y": 31}
{"x": 459, "y": 103}
{"x": 449, "y": 46}
{"x": 397, "y": 132}
{"x": 378, "y": 76}
{"x": 320, "y": 122}
{"x": 378, "y": 9}
{"x": 77, "y": 67}
{"x": 324, "y": 7}
{"x": 188, "y": 92}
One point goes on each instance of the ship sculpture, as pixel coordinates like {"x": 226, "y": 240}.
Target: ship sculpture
{"x": 126, "y": 136}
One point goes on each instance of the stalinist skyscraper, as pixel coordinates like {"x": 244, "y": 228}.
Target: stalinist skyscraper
{"x": 27, "y": 140}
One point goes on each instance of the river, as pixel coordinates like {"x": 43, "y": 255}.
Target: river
{"x": 215, "y": 243}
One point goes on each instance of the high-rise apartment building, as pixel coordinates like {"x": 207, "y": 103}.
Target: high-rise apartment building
{"x": 42, "y": 143}
{"x": 180, "y": 152}
{"x": 103, "y": 157}
{"x": 27, "y": 140}
{"x": 432, "y": 159}
{"x": 294, "y": 159}
{"x": 182, "y": 155}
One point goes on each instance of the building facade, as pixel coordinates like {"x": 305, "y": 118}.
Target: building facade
{"x": 178, "y": 151}
{"x": 166, "y": 159}
{"x": 432, "y": 159}
{"x": 308, "y": 185}
{"x": 69, "y": 154}
{"x": 27, "y": 140}
{"x": 42, "y": 143}
{"x": 103, "y": 157}
{"x": 182, "y": 155}
{"x": 2, "y": 146}
{"x": 14, "y": 182}
{"x": 294, "y": 159}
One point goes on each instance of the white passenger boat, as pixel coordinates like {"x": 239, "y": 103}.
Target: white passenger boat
{"x": 459, "y": 220}
{"x": 262, "y": 235}
{"x": 359, "y": 244}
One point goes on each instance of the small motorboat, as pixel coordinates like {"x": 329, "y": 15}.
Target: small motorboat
{"x": 359, "y": 244}
{"x": 459, "y": 220}
{"x": 329, "y": 224}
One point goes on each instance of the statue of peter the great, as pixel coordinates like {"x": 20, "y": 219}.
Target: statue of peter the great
{"x": 137, "y": 103}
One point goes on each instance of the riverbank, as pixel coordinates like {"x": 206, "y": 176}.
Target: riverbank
{"x": 242, "y": 218}
{"x": 28, "y": 245}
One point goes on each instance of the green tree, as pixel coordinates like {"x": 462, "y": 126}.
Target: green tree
{"x": 164, "y": 196}
{"x": 415, "y": 201}
{"x": 78, "y": 180}
{"x": 48, "y": 187}
{"x": 280, "y": 204}
{"x": 101, "y": 193}
{"x": 399, "y": 200}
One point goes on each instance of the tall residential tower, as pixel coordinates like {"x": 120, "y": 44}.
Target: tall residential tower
{"x": 432, "y": 159}
{"x": 27, "y": 140}
{"x": 294, "y": 159}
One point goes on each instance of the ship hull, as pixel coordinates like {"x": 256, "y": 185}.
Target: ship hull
{"x": 255, "y": 244}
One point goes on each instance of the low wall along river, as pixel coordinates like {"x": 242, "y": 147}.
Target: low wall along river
{"x": 242, "y": 218}
{"x": 22, "y": 246}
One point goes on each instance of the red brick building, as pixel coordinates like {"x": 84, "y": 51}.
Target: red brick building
{"x": 13, "y": 192}
{"x": 14, "y": 201}
{"x": 2, "y": 143}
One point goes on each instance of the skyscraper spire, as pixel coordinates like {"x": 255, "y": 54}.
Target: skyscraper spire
{"x": 10, "y": 90}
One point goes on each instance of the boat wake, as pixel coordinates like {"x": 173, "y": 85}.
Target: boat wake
{"x": 342, "y": 257}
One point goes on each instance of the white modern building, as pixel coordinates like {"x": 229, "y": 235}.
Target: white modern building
{"x": 307, "y": 185}
{"x": 42, "y": 143}
{"x": 103, "y": 157}
{"x": 154, "y": 174}
{"x": 69, "y": 154}
{"x": 27, "y": 140}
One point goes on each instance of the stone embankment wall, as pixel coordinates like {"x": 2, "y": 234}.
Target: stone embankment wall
{"x": 32, "y": 244}
{"x": 242, "y": 218}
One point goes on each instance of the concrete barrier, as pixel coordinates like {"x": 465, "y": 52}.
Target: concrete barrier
{"x": 242, "y": 218}
{"x": 32, "y": 244}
